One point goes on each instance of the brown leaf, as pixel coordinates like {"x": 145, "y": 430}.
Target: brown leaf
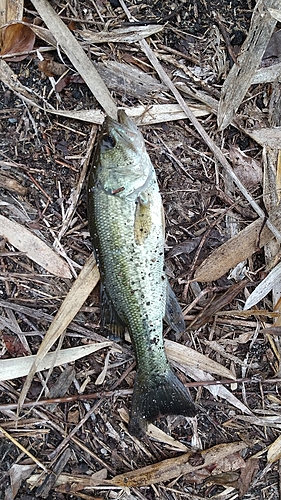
{"x": 66, "y": 80}
{"x": 7, "y": 182}
{"x": 72, "y": 26}
{"x": 224, "y": 472}
{"x": 17, "y": 38}
{"x": 14, "y": 345}
{"x": 247, "y": 169}
{"x": 224, "y": 479}
{"x": 246, "y": 476}
{"x": 51, "y": 68}
{"x": 185, "y": 247}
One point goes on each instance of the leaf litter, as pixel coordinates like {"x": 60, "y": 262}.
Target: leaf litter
{"x": 46, "y": 142}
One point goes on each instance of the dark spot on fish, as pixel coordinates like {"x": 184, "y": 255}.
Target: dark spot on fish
{"x": 115, "y": 191}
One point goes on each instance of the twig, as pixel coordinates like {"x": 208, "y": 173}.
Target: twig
{"x": 226, "y": 38}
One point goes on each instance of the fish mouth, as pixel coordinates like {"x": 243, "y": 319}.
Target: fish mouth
{"x": 124, "y": 127}
{"x": 123, "y": 118}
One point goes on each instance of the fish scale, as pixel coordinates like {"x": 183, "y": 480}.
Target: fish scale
{"x": 127, "y": 226}
{"x": 137, "y": 285}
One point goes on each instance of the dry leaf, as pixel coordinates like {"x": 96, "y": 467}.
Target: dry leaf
{"x": 247, "y": 475}
{"x": 76, "y": 481}
{"x": 38, "y": 251}
{"x": 222, "y": 473}
{"x": 11, "y": 184}
{"x": 128, "y": 80}
{"x": 66, "y": 80}
{"x": 19, "y": 367}
{"x": 217, "y": 305}
{"x": 19, "y": 473}
{"x": 156, "y": 433}
{"x": 185, "y": 247}
{"x": 129, "y": 34}
{"x": 189, "y": 357}
{"x": 13, "y": 345}
{"x": 237, "y": 249}
{"x": 274, "y": 451}
{"x": 143, "y": 115}
{"x": 100, "y": 379}
{"x": 264, "y": 287}
{"x": 52, "y": 68}
{"x": 247, "y": 169}
{"x": 217, "y": 390}
{"x": 174, "y": 467}
{"x": 17, "y": 38}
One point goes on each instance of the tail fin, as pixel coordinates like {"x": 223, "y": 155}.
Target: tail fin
{"x": 161, "y": 394}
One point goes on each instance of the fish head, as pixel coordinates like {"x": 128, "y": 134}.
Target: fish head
{"x": 121, "y": 161}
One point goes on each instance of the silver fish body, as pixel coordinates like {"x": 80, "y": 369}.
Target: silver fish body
{"x": 127, "y": 227}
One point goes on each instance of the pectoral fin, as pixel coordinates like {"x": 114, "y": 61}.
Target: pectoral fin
{"x": 142, "y": 225}
{"x": 173, "y": 313}
{"x": 110, "y": 320}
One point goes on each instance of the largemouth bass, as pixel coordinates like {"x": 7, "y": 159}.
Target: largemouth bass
{"x": 127, "y": 227}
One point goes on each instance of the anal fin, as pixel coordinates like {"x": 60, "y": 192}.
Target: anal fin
{"x": 110, "y": 320}
{"x": 173, "y": 313}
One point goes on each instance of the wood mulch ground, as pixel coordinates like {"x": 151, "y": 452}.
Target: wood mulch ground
{"x": 209, "y": 108}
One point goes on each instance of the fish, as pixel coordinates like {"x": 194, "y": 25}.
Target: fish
{"x": 126, "y": 223}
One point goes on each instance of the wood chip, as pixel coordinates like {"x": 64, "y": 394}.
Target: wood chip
{"x": 129, "y": 34}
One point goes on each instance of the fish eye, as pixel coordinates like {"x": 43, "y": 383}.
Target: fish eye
{"x": 107, "y": 143}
